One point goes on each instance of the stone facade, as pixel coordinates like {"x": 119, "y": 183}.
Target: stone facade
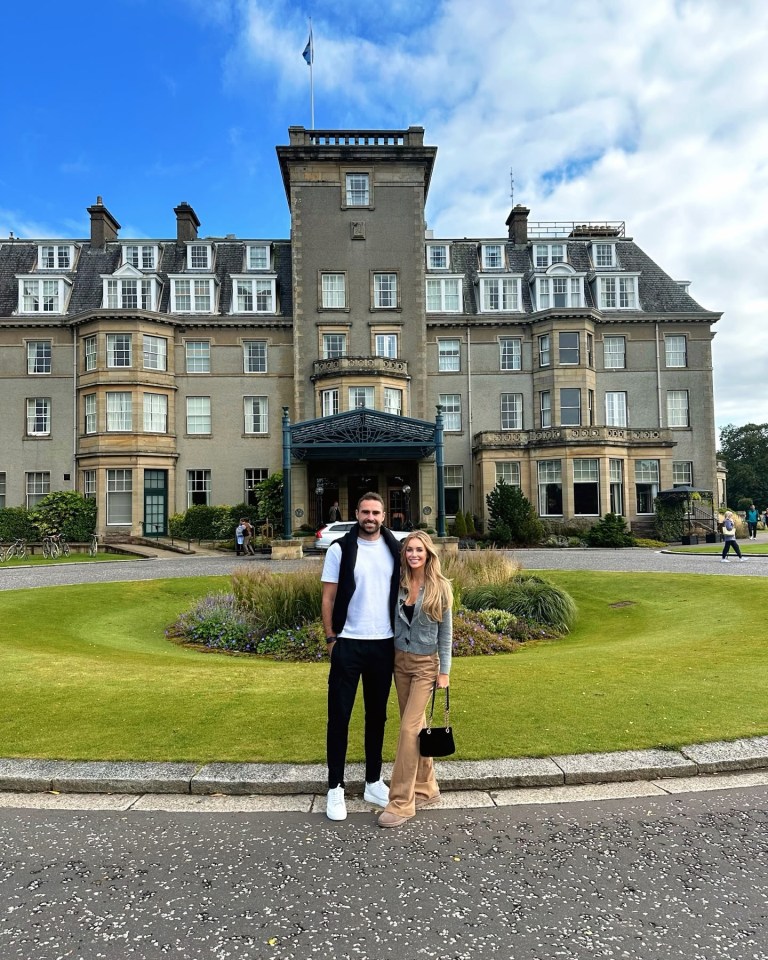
{"x": 153, "y": 374}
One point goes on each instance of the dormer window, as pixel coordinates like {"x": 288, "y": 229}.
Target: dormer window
{"x": 199, "y": 256}
{"x": 603, "y": 255}
{"x": 492, "y": 256}
{"x": 192, "y": 295}
{"x": 251, "y": 295}
{"x": 42, "y": 296}
{"x": 437, "y": 256}
{"x": 545, "y": 254}
{"x": 617, "y": 293}
{"x": 258, "y": 256}
{"x": 500, "y": 294}
{"x": 143, "y": 256}
{"x": 559, "y": 288}
{"x": 129, "y": 289}
{"x": 56, "y": 256}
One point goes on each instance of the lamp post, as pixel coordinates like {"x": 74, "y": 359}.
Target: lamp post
{"x": 319, "y": 490}
{"x": 407, "y": 506}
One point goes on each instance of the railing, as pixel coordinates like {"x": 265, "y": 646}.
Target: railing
{"x": 351, "y": 365}
{"x": 412, "y": 137}
{"x": 575, "y": 230}
{"x": 558, "y": 435}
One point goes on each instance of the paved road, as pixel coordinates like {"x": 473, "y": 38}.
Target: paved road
{"x": 672, "y": 877}
{"x": 172, "y": 565}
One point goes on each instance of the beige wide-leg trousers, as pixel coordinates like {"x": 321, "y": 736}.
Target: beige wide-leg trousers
{"x": 412, "y": 775}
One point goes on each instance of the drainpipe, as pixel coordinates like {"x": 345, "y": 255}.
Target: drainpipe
{"x": 74, "y": 408}
{"x": 658, "y": 374}
{"x": 469, "y": 417}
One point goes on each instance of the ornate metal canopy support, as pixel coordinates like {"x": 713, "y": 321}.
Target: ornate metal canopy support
{"x": 286, "y": 475}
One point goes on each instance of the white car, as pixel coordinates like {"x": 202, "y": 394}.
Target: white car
{"x": 331, "y": 532}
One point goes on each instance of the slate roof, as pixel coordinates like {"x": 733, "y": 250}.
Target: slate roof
{"x": 658, "y": 292}
{"x": 19, "y": 257}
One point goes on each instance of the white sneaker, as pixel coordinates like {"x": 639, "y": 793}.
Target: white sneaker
{"x": 742, "y": 559}
{"x": 725, "y": 560}
{"x": 336, "y": 808}
{"x": 377, "y": 793}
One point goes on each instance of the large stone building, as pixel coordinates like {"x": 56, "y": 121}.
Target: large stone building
{"x": 156, "y": 374}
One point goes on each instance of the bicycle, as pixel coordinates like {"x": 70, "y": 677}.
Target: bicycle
{"x": 50, "y": 548}
{"x": 17, "y": 549}
{"x": 93, "y": 546}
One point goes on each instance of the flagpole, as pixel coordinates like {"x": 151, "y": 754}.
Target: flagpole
{"x": 311, "y": 75}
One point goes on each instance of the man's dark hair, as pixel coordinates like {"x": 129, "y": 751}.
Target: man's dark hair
{"x": 370, "y": 496}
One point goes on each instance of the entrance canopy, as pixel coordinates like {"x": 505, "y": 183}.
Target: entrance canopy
{"x": 363, "y": 434}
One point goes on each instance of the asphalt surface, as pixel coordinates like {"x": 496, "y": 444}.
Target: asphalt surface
{"x": 647, "y": 878}
{"x": 629, "y": 560}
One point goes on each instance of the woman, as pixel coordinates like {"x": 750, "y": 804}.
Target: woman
{"x": 423, "y": 639}
{"x": 729, "y": 536}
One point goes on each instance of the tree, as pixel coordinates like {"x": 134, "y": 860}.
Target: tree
{"x": 269, "y": 496}
{"x": 512, "y": 515}
{"x": 745, "y": 451}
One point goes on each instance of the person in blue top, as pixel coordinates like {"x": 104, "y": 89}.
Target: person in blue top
{"x": 752, "y": 517}
{"x": 423, "y": 642}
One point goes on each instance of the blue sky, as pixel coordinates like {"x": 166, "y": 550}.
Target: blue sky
{"x": 652, "y": 113}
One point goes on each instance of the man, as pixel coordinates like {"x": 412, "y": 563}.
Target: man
{"x": 334, "y": 513}
{"x": 360, "y": 579}
{"x": 752, "y": 517}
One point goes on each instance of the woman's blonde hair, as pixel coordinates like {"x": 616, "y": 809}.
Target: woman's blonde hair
{"x": 438, "y": 593}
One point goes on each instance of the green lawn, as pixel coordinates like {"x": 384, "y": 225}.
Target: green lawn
{"x": 655, "y": 660}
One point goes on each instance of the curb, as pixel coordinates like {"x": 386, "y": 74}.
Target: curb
{"x": 274, "y": 779}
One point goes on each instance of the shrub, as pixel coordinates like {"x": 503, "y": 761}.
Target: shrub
{"x": 459, "y": 525}
{"x": 611, "y": 531}
{"x": 66, "y": 512}
{"x": 500, "y": 533}
{"x": 470, "y": 524}
{"x": 528, "y": 596}
{"x": 471, "y": 638}
{"x": 217, "y": 623}
{"x": 517, "y": 628}
{"x": 508, "y": 506}
{"x": 269, "y": 496}
{"x": 15, "y": 523}
{"x": 299, "y": 644}
{"x": 270, "y": 601}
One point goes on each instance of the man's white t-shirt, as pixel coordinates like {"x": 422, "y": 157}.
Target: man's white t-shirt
{"x": 368, "y": 612}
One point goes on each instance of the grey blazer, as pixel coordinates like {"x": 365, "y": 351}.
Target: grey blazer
{"x": 423, "y": 636}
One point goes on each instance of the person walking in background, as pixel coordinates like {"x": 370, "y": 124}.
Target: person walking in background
{"x": 249, "y": 532}
{"x": 729, "y": 536}
{"x": 239, "y": 537}
{"x": 752, "y": 517}
{"x": 423, "y": 641}
{"x": 334, "y": 513}
{"x": 360, "y": 581}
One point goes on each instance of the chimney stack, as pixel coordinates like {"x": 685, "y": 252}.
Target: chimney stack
{"x": 186, "y": 222}
{"x": 104, "y": 227}
{"x": 517, "y": 222}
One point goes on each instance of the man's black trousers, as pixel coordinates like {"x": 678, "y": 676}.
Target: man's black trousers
{"x": 352, "y": 659}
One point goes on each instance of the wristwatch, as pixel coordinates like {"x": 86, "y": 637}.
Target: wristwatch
{"x": 331, "y": 639}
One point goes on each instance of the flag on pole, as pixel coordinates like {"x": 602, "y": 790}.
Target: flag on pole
{"x": 309, "y": 50}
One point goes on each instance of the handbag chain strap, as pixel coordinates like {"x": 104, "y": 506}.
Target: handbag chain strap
{"x": 447, "y": 706}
